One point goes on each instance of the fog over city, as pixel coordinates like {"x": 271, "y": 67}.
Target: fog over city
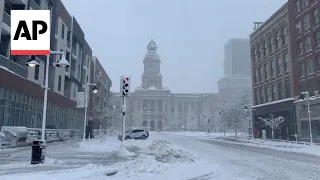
{"x": 190, "y": 36}
{"x": 160, "y": 89}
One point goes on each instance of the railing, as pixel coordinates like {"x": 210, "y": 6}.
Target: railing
{"x": 13, "y": 67}
{"x": 6, "y": 18}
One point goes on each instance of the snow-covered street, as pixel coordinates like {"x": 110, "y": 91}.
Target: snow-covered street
{"x": 165, "y": 155}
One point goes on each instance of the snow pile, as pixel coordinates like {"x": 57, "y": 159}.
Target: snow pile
{"x": 280, "y": 146}
{"x": 202, "y": 134}
{"x": 164, "y": 151}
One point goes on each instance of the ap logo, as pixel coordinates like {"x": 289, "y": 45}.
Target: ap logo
{"x": 30, "y": 32}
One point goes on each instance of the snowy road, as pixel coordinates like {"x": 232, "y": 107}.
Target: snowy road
{"x": 179, "y": 157}
{"x": 244, "y": 162}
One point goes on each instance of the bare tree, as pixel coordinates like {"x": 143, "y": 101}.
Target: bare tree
{"x": 232, "y": 113}
{"x": 272, "y": 122}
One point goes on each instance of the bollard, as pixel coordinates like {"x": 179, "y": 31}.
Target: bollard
{"x": 38, "y": 152}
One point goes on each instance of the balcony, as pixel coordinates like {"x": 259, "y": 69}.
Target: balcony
{"x": 13, "y": 67}
{"x": 6, "y": 18}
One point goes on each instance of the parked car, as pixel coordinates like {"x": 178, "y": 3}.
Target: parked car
{"x": 135, "y": 134}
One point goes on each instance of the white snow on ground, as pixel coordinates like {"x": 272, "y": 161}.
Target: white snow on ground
{"x": 149, "y": 159}
{"x": 281, "y": 146}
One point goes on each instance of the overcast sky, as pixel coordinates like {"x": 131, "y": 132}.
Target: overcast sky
{"x": 190, "y": 35}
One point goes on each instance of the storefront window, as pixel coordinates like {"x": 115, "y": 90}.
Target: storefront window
{"x": 315, "y": 129}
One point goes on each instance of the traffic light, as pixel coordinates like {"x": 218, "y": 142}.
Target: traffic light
{"x": 125, "y": 84}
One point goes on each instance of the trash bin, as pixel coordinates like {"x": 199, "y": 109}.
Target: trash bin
{"x": 38, "y": 152}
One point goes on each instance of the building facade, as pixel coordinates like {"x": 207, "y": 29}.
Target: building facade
{"x": 305, "y": 53}
{"x": 99, "y": 109}
{"x": 272, "y": 74}
{"x": 237, "y": 73}
{"x": 155, "y": 107}
{"x": 237, "y": 57}
{"x": 21, "y": 86}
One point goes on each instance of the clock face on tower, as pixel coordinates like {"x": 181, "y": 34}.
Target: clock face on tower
{"x": 151, "y": 66}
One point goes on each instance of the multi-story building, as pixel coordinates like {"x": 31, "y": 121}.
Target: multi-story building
{"x": 304, "y": 29}
{"x": 237, "y": 73}
{"x": 100, "y": 109}
{"x": 272, "y": 73}
{"x": 21, "y": 86}
{"x": 237, "y": 57}
{"x": 155, "y": 107}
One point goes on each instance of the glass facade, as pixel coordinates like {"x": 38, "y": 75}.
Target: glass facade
{"x": 19, "y": 109}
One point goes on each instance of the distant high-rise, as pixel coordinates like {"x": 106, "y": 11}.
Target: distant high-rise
{"x": 237, "y": 57}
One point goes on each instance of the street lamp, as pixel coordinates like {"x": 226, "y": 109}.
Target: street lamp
{"x": 33, "y": 63}
{"x": 306, "y": 93}
{"x": 251, "y": 119}
{"x": 94, "y": 91}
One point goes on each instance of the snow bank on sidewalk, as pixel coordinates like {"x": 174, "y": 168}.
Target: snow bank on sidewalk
{"x": 280, "y": 146}
{"x": 202, "y": 134}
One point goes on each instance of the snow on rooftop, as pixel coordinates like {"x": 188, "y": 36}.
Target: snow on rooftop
{"x": 152, "y": 88}
{"x": 5, "y": 68}
{"x": 273, "y": 102}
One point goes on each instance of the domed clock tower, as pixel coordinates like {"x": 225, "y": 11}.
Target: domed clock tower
{"x": 151, "y": 75}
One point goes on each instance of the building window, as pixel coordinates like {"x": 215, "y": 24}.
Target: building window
{"x": 298, "y": 7}
{"x": 265, "y": 48}
{"x": 256, "y": 76}
{"x": 255, "y": 55}
{"x": 279, "y": 67}
{"x": 62, "y": 31}
{"x": 288, "y": 88}
{"x": 271, "y": 44}
{"x": 273, "y": 93}
{"x": 298, "y": 27}
{"x": 305, "y": 3}
{"x": 261, "y": 96}
{"x": 260, "y": 71}
{"x": 272, "y": 65}
{"x": 266, "y": 71}
{"x": 259, "y": 52}
{"x": 59, "y": 83}
{"x": 308, "y": 46}
{"x": 267, "y": 94}
{"x": 306, "y": 21}
{"x": 286, "y": 62}
{"x": 316, "y": 16}
{"x": 280, "y": 90}
{"x": 285, "y": 36}
{"x": 310, "y": 66}
{"x": 278, "y": 44}
{"x": 318, "y": 62}
{"x": 300, "y": 48}
{"x": 302, "y": 71}
{"x": 36, "y": 72}
{"x": 317, "y": 38}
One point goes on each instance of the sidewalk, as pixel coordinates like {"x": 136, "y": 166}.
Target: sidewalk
{"x": 281, "y": 146}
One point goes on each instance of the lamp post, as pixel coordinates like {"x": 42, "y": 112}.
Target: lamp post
{"x": 33, "y": 63}
{"x": 251, "y": 119}
{"x": 306, "y": 93}
{"x": 61, "y": 63}
{"x": 94, "y": 90}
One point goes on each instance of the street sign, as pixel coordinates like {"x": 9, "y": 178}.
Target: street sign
{"x": 30, "y": 32}
{"x": 81, "y": 99}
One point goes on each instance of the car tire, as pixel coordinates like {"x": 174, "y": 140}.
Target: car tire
{"x": 127, "y": 137}
{"x": 143, "y": 137}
